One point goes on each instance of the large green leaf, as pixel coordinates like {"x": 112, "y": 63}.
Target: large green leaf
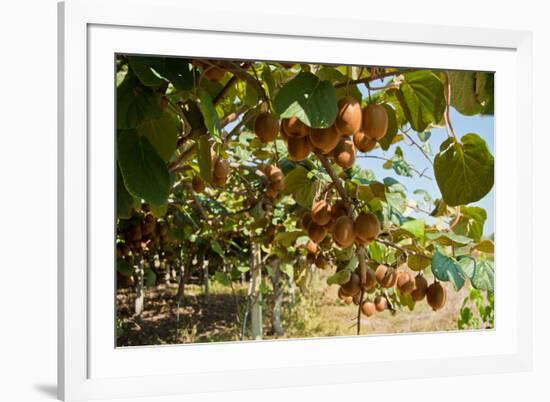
{"x": 211, "y": 119}
{"x": 300, "y": 186}
{"x": 471, "y": 222}
{"x": 204, "y": 155}
{"x": 162, "y": 134}
{"x": 463, "y": 92}
{"x": 464, "y": 170}
{"x": 449, "y": 238}
{"x": 124, "y": 200}
{"x": 155, "y": 71}
{"x": 287, "y": 238}
{"x": 135, "y": 104}
{"x": 447, "y": 269}
{"x": 143, "y": 170}
{"x": 308, "y": 98}
{"x": 339, "y": 278}
{"x": 415, "y": 227}
{"x": 422, "y": 98}
{"x": 481, "y": 272}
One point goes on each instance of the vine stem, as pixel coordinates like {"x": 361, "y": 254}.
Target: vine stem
{"x": 419, "y": 147}
{"x": 335, "y": 179}
{"x": 448, "y": 124}
{"x": 359, "y": 312}
{"x": 373, "y": 78}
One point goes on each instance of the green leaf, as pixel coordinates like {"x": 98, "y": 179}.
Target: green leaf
{"x": 471, "y": 222}
{"x": 155, "y": 71}
{"x": 463, "y": 92}
{"x": 146, "y": 69}
{"x": 447, "y": 269}
{"x": 150, "y": 278}
{"x": 217, "y": 248}
{"x": 300, "y": 186}
{"x": 464, "y": 171}
{"x": 162, "y": 134}
{"x": 124, "y": 268}
{"x": 222, "y": 278}
{"x": 485, "y": 246}
{"x": 418, "y": 262}
{"x": 179, "y": 72}
{"x": 339, "y": 277}
{"x": 422, "y": 98}
{"x": 387, "y": 140}
{"x": 287, "y": 239}
{"x": 143, "y": 170}
{"x": 204, "y": 156}
{"x": 124, "y": 200}
{"x": 415, "y": 227}
{"x": 405, "y": 300}
{"x": 287, "y": 269}
{"x": 376, "y": 252}
{"x": 211, "y": 119}
{"x": 484, "y": 277}
{"x": 448, "y": 238}
{"x": 311, "y": 100}
{"x": 135, "y": 104}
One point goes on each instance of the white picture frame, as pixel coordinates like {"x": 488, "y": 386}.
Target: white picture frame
{"x": 91, "y": 31}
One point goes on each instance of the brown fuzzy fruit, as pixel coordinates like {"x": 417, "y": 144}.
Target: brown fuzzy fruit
{"x": 324, "y": 139}
{"x": 271, "y": 191}
{"x": 420, "y": 285}
{"x": 310, "y": 258}
{"x": 344, "y": 153}
{"x": 368, "y": 308}
{"x": 221, "y": 168}
{"x": 370, "y": 280}
{"x": 353, "y": 286}
{"x": 305, "y": 221}
{"x": 348, "y": 120}
{"x": 214, "y": 73}
{"x": 320, "y": 213}
{"x": 436, "y": 296}
{"x": 405, "y": 283}
{"x": 312, "y": 247}
{"x": 340, "y": 208}
{"x": 293, "y": 127}
{"x": 266, "y": 127}
{"x": 134, "y": 233}
{"x": 367, "y": 226}
{"x": 198, "y": 184}
{"x": 321, "y": 262}
{"x": 330, "y": 225}
{"x": 343, "y": 232}
{"x": 386, "y": 276}
{"x": 298, "y": 148}
{"x": 219, "y": 181}
{"x": 348, "y": 299}
{"x": 362, "y": 142}
{"x": 375, "y": 121}
{"x": 274, "y": 173}
{"x": 380, "y": 303}
{"x": 278, "y": 185}
{"x": 316, "y": 232}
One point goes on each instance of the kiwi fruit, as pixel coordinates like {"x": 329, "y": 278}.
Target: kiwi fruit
{"x": 310, "y": 257}
{"x": 368, "y": 308}
{"x": 405, "y": 282}
{"x": 271, "y": 192}
{"x": 145, "y": 207}
{"x": 219, "y": 181}
{"x": 316, "y": 232}
{"x": 320, "y": 213}
{"x": 198, "y": 184}
{"x": 221, "y": 168}
{"x": 348, "y": 299}
{"x": 134, "y": 233}
{"x": 386, "y": 276}
{"x": 362, "y": 142}
{"x": 330, "y": 225}
{"x": 214, "y": 73}
{"x": 348, "y": 120}
{"x": 312, "y": 247}
{"x": 380, "y": 303}
{"x": 339, "y": 208}
{"x": 344, "y": 153}
{"x": 367, "y": 226}
{"x": 343, "y": 232}
{"x": 370, "y": 280}
{"x": 274, "y": 173}
{"x": 324, "y": 139}
{"x": 305, "y": 221}
{"x": 266, "y": 127}
{"x": 353, "y": 286}
{"x": 420, "y": 287}
{"x": 321, "y": 262}
{"x": 277, "y": 185}
{"x": 375, "y": 121}
{"x": 436, "y": 296}
{"x": 298, "y": 148}
{"x": 294, "y": 128}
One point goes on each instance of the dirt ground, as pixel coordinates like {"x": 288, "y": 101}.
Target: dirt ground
{"x": 213, "y": 318}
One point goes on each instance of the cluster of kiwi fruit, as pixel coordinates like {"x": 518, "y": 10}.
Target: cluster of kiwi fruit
{"x": 367, "y": 126}
{"x": 141, "y": 232}
{"x": 336, "y": 219}
{"x": 387, "y": 277}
